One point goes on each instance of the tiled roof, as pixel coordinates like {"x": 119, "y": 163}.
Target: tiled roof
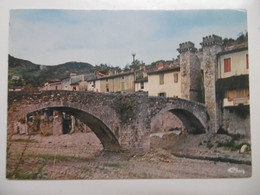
{"x": 166, "y": 69}
{"x": 145, "y": 79}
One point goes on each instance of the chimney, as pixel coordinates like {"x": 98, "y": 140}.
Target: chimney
{"x": 110, "y": 72}
{"x": 160, "y": 65}
{"x": 73, "y": 74}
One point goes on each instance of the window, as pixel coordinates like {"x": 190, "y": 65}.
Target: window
{"x": 227, "y": 65}
{"x": 122, "y": 77}
{"x": 122, "y": 86}
{"x": 247, "y": 62}
{"x": 175, "y": 75}
{"x": 142, "y": 85}
{"x": 161, "y": 78}
{"x": 107, "y": 87}
{"x": 162, "y": 94}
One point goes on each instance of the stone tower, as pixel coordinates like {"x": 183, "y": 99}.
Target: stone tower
{"x": 190, "y": 71}
{"x": 211, "y": 45}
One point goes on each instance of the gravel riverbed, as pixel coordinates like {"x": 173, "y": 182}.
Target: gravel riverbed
{"x": 80, "y": 156}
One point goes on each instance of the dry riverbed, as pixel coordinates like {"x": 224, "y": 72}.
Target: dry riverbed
{"x": 80, "y": 156}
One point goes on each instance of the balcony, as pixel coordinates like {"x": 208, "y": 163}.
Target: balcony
{"x": 236, "y": 101}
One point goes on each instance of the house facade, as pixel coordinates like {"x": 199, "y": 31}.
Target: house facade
{"x": 141, "y": 85}
{"x": 53, "y": 85}
{"x": 234, "y": 70}
{"x": 164, "y": 82}
{"x": 117, "y": 83}
{"x": 233, "y": 90}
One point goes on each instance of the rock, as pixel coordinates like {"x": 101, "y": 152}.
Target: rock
{"x": 243, "y": 149}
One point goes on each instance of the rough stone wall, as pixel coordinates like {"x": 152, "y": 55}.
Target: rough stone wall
{"x": 190, "y": 70}
{"x": 211, "y": 47}
{"x": 46, "y": 124}
{"x": 132, "y": 111}
{"x": 57, "y": 124}
{"x": 234, "y": 123}
{"x": 196, "y": 78}
{"x": 119, "y": 121}
{"x": 185, "y": 75}
{"x": 20, "y": 128}
{"x": 113, "y": 117}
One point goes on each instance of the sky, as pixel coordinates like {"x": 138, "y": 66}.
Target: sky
{"x": 51, "y": 37}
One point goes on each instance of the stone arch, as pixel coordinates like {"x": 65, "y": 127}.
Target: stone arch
{"x": 193, "y": 122}
{"x": 96, "y": 124}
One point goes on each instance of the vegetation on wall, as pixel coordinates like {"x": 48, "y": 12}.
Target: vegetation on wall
{"x": 125, "y": 109}
{"x": 240, "y": 39}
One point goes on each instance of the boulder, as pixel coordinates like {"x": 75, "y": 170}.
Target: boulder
{"x": 243, "y": 149}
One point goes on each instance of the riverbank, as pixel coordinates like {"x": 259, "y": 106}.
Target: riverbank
{"x": 80, "y": 156}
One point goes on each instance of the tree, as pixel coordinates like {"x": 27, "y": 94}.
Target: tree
{"x": 228, "y": 42}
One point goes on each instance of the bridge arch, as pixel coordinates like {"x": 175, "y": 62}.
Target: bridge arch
{"x": 101, "y": 129}
{"x": 193, "y": 115}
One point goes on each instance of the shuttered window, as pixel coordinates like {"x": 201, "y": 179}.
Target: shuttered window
{"x": 161, "y": 78}
{"x": 175, "y": 75}
{"x": 247, "y": 62}
{"x": 227, "y": 65}
{"x": 122, "y": 86}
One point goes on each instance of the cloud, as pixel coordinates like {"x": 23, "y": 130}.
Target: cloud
{"x": 54, "y": 37}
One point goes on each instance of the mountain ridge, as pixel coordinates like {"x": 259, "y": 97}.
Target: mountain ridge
{"x": 24, "y": 73}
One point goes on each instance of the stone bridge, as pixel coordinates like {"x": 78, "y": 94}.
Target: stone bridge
{"x": 121, "y": 122}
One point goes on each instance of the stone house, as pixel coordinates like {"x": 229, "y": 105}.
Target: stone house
{"x": 94, "y": 85}
{"x": 55, "y": 84}
{"x": 72, "y": 83}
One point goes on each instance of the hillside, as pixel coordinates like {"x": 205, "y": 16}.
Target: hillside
{"x": 23, "y": 73}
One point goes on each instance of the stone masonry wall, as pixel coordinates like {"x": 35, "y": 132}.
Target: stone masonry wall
{"x": 190, "y": 70}
{"x": 237, "y": 121}
{"x": 115, "y": 118}
{"x": 193, "y": 114}
{"x": 120, "y": 121}
{"x": 211, "y": 47}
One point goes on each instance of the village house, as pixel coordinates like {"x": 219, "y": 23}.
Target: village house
{"x": 141, "y": 79}
{"x": 165, "y": 81}
{"x": 72, "y": 83}
{"x": 94, "y": 83}
{"x": 55, "y": 84}
{"x": 81, "y": 82}
{"x": 141, "y": 84}
{"x": 233, "y": 89}
{"x": 120, "y": 83}
{"x": 233, "y": 70}
{"x": 214, "y": 75}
